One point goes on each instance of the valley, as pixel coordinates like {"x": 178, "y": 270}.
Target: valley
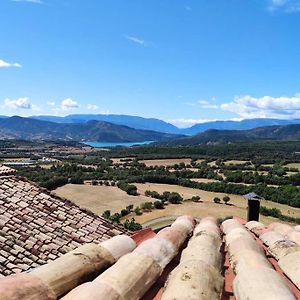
{"x": 144, "y": 187}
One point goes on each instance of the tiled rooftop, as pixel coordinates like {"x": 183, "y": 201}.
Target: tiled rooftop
{"x": 4, "y": 170}
{"x": 236, "y": 260}
{"x": 37, "y": 227}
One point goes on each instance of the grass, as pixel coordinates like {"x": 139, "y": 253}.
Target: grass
{"x": 98, "y": 198}
{"x": 165, "y": 162}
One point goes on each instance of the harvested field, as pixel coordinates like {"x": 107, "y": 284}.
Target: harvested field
{"x": 204, "y": 180}
{"x": 199, "y": 161}
{"x": 235, "y": 162}
{"x": 165, "y": 162}
{"x": 99, "y": 198}
{"x": 122, "y": 160}
{"x": 208, "y": 207}
{"x": 293, "y": 165}
{"x": 189, "y": 169}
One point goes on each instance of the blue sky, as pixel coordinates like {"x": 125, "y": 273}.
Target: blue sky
{"x": 178, "y": 60}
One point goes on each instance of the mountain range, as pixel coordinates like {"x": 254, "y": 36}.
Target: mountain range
{"x": 84, "y": 128}
{"x": 162, "y": 126}
{"x": 130, "y": 121}
{"x": 214, "y": 136}
{"x": 32, "y": 129}
{"x": 153, "y": 124}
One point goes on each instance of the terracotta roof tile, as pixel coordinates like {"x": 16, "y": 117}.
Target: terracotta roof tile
{"x": 4, "y": 170}
{"x": 36, "y": 227}
{"x": 183, "y": 261}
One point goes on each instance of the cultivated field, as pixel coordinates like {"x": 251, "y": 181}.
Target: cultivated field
{"x": 203, "y": 180}
{"x": 207, "y": 207}
{"x": 293, "y": 165}
{"x": 235, "y": 162}
{"x": 99, "y": 198}
{"x": 165, "y": 162}
{"x": 118, "y": 161}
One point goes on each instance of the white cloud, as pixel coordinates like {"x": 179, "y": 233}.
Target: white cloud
{"x": 265, "y": 107}
{"x": 136, "y": 40}
{"x": 4, "y": 64}
{"x": 288, "y": 6}
{"x": 69, "y": 103}
{"x": 92, "y": 107}
{"x": 207, "y": 104}
{"x": 183, "y": 123}
{"x": 20, "y": 103}
{"x": 51, "y": 103}
{"x": 29, "y": 1}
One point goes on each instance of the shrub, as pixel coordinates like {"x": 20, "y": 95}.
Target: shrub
{"x": 175, "y": 198}
{"x": 115, "y": 218}
{"x": 158, "y": 204}
{"x": 138, "y": 211}
{"x": 106, "y": 214}
{"x": 132, "y": 225}
{"x": 217, "y": 200}
{"x": 195, "y": 198}
{"x": 124, "y": 212}
{"x": 129, "y": 207}
{"x": 147, "y": 206}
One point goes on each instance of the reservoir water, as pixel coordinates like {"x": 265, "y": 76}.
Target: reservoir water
{"x": 116, "y": 144}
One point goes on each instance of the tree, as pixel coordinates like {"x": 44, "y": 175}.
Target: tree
{"x": 226, "y": 199}
{"x": 124, "y": 212}
{"x": 147, "y": 206}
{"x": 158, "y": 204}
{"x": 115, "y": 218}
{"x": 196, "y": 199}
{"x": 175, "y": 198}
{"x": 138, "y": 211}
{"x": 217, "y": 200}
{"x": 106, "y": 214}
{"x": 132, "y": 225}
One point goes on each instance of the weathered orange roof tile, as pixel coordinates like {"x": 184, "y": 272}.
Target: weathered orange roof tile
{"x": 36, "y": 227}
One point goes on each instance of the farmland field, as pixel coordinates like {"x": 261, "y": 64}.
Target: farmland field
{"x": 293, "y": 165}
{"x": 165, "y": 162}
{"x": 121, "y": 160}
{"x": 203, "y": 180}
{"x": 235, "y": 162}
{"x": 98, "y": 198}
{"x": 208, "y": 207}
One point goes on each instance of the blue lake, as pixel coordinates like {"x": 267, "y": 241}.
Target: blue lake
{"x": 116, "y": 144}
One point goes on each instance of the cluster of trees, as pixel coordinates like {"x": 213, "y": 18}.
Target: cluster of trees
{"x": 276, "y": 213}
{"x": 256, "y": 178}
{"x": 285, "y": 194}
{"x": 261, "y": 152}
{"x": 226, "y": 199}
{"x": 131, "y": 225}
{"x": 103, "y": 171}
{"x": 130, "y": 189}
{"x": 171, "y": 197}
